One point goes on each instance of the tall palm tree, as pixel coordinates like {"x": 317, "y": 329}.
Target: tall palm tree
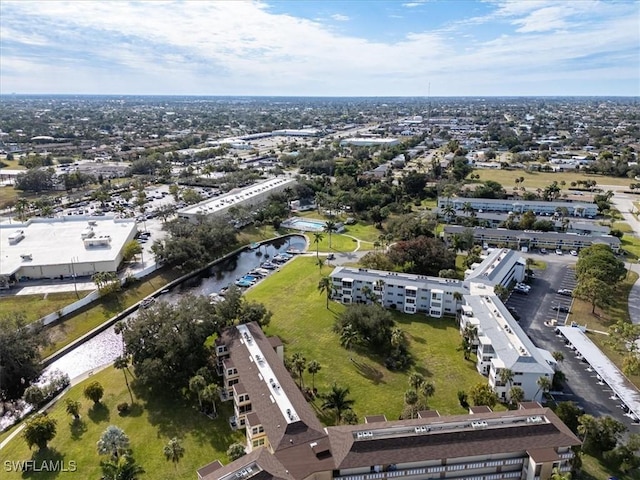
{"x": 210, "y": 393}
{"x": 449, "y": 212}
{"x": 173, "y": 451}
{"x": 21, "y": 207}
{"x": 317, "y": 238}
{"x": 329, "y": 227}
{"x": 544, "y": 384}
{"x": 348, "y": 337}
{"x": 428, "y": 390}
{"x": 337, "y": 400}
{"x": 122, "y": 363}
{"x": 299, "y": 363}
{"x": 313, "y": 368}
{"x": 411, "y": 399}
{"x": 197, "y": 384}
{"x": 506, "y": 376}
{"x": 326, "y": 286}
{"x": 123, "y": 468}
{"x": 516, "y": 395}
{"x": 397, "y": 337}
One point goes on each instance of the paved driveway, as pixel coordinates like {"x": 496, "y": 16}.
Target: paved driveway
{"x": 535, "y": 309}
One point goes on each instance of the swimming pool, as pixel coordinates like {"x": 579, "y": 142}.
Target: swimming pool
{"x": 309, "y": 225}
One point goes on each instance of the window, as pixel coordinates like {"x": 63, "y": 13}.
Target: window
{"x": 259, "y": 442}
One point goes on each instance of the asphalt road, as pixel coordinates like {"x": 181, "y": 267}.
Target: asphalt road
{"x": 534, "y": 309}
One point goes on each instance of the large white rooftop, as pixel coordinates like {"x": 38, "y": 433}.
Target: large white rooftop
{"x": 56, "y": 241}
{"x": 214, "y": 205}
{"x": 277, "y": 393}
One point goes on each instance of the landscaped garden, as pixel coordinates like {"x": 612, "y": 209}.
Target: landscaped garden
{"x": 304, "y": 323}
{"x": 150, "y": 424}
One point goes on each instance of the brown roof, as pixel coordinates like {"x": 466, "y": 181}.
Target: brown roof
{"x": 253, "y": 419}
{"x": 375, "y": 418}
{"x": 435, "y": 445}
{"x": 428, "y": 414}
{"x": 476, "y": 409}
{"x": 280, "y": 433}
{"x": 529, "y": 405}
{"x": 275, "y": 341}
{"x": 271, "y": 468}
{"x": 209, "y": 469}
{"x": 543, "y": 455}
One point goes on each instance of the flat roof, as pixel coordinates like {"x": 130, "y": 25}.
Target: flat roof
{"x": 605, "y": 368}
{"x": 55, "y": 241}
{"x": 396, "y": 278}
{"x": 234, "y": 197}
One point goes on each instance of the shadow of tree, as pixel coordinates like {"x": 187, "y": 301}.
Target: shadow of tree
{"x": 369, "y": 372}
{"x": 99, "y": 413}
{"x": 77, "y": 428}
{"x": 45, "y": 465}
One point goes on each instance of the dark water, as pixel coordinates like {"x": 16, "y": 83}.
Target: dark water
{"x": 105, "y": 347}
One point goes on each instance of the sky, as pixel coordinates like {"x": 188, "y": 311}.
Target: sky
{"x": 321, "y": 48}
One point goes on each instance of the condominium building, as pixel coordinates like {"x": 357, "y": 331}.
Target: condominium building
{"x": 248, "y": 197}
{"x": 539, "y": 207}
{"x": 528, "y": 239}
{"x": 286, "y": 441}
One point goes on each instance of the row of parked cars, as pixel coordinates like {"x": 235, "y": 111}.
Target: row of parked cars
{"x": 522, "y": 288}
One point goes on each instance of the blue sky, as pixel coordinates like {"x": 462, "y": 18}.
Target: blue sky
{"x": 323, "y": 48}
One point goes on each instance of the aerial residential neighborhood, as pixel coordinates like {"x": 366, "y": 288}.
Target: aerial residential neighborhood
{"x": 319, "y": 240}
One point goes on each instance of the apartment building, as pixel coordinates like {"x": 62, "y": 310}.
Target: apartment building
{"x": 286, "y": 441}
{"x": 528, "y": 239}
{"x": 405, "y": 292}
{"x": 502, "y": 344}
{"x": 539, "y": 207}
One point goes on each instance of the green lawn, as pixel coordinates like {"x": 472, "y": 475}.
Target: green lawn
{"x": 542, "y": 179}
{"x": 90, "y": 317}
{"x": 631, "y": 245}
{"x": 339, "y": 243}
{"x": 37, "y": 306}
{"x": 149, "y": 426}
{"x": 304, "y": 324}
{"x": 623, "y": 227}
{"x": 592, "y": 469}
{"x": 12, "y": 164}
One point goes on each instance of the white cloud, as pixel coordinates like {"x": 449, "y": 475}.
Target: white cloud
{"x": 245, "y": 48}
{"x": 340, "y": 18}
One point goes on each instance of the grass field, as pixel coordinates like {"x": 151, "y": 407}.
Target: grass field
{"x": 37, "y": 306}
{"x": 151, "y": 423}
{"x": 87, "y": 319}
{"x": 8, "y": 196}
{"x": 303, "y": 322}
{"x": 631, "y": 245}
{"x": 533, "y": 180}
{"x": 12, "y": 165}
{"x": 623, "y": 227}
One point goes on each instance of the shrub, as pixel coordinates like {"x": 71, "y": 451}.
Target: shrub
{"x": 123, "y": 408}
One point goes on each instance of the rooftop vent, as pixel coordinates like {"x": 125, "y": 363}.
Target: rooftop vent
{"x": 479, "y": 424}
{"x": 26, "y": 256}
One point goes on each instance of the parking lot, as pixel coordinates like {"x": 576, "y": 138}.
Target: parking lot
{"x": 537, "y": 316}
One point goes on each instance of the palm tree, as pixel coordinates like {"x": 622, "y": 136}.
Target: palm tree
{"x": 558, "y": 356}
{"x": 317, "y": 238}
{"x": 197, "y": 384}
{"x": 329, "y": 227}
{"x": 416, "y": 380}
{"x": 173, "y": 451}
{"x": 114, "y": 442}
{"x": 468, "y": 209}
{"x": 449, "y": 212}
{"x": 210, "y": 393}
{"x": 122, "y": 363}
{"x": 313, "y": 368}
{"x": 73, "y": 408}
{"x": 516, "y": 395}
{"x": 411, "y": 399}
{"x": 506, "y": 376}
{"x": 299, "y": 363}
{"x": 428, "y": 390}
{"x": 122, "y": 468}
{"x": 21, "y": 206}
{"x": 544, "y": 384}
{"x": 337, "y": 400}
{"x": 349, "y": 336}
{"x": 397, "y": 337}
{"x": 325, "y": 286}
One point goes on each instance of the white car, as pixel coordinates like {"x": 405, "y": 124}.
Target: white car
{"x": 558, "y": 252}
{"x": 523, "y": 286}
{"x": 574, "y": 253}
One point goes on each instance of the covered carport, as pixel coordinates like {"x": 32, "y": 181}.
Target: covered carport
{"x": 606, "y": 370}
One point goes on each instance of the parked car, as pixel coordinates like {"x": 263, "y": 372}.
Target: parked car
{"x": 558, "y": 252}
{"x": 543, "y": 251}
{"x": 566, "y": 292}
{"x": 523, "y": 285}
{"x": 573, "y": 253}
{"x": 561, "y": 308}
{"x": 524, "y": 291}
{"x": 147, "y": 302}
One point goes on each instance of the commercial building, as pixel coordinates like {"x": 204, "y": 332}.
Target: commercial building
{"x": 62, "y": 247}
{"x": 540, "y": 207}
{"x": 528, "y": 239}
{"x": 286, "y": 441}
{"x": 370, "y": 142}
{"x": 248, "y": 197}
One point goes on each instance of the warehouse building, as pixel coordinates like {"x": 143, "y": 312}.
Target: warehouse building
{"x": 62, "y": 247}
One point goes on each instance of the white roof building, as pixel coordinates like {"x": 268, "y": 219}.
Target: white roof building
{"x": 62, "y": 247}
{"x": 370, "y": 142}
